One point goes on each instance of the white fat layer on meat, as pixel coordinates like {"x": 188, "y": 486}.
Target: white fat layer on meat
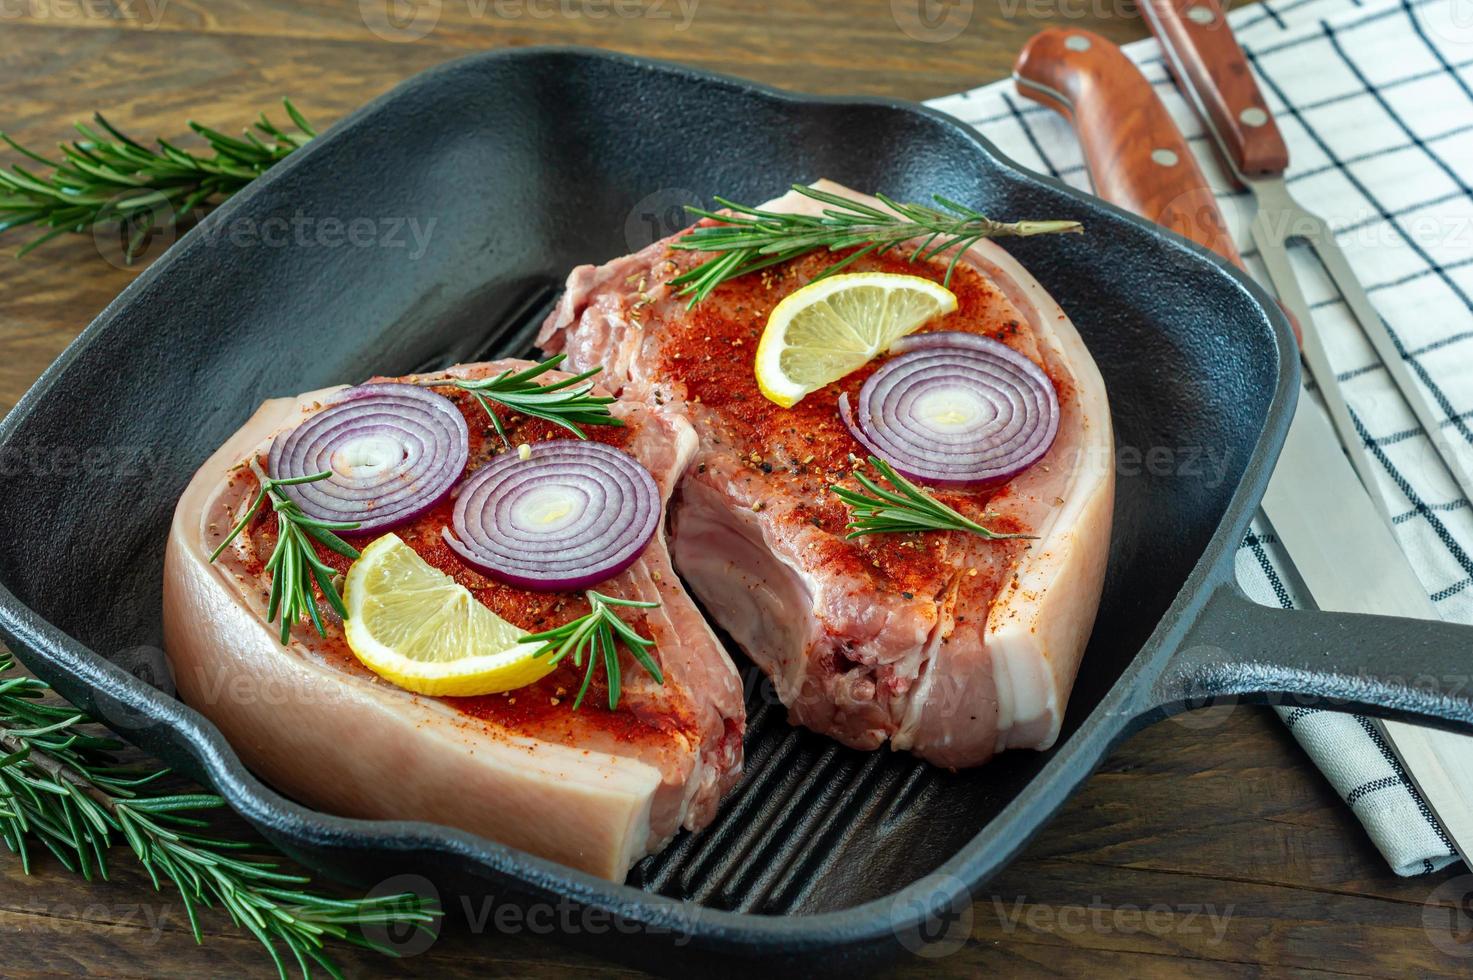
{"x": 951, "y": 684}
{"x": 293, "y": 714}
{"x": 1031, "y": 688}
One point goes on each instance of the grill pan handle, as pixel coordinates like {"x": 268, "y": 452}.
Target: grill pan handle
{"x": 1412, "y": 670}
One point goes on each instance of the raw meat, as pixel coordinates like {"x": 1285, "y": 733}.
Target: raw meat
{"x": 946, "y": 644}
{"x": 591, "y": 788}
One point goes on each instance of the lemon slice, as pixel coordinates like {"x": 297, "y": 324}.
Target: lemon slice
{"x": 412, "y": 624}
{"x": 836, "y": 325}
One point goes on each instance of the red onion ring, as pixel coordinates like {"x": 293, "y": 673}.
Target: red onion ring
{"x": 570, "y": 516}
{"x": 956, "y": 409}
{"x": 394, "y": 451}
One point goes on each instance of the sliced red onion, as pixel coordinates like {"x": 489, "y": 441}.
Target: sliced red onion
{"x": 569, "y": 516}
{"x": 956, "y": 409}
{"x": 394, "y": 451}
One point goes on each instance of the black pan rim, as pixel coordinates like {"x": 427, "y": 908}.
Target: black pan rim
{"x": 1002, "y": 838}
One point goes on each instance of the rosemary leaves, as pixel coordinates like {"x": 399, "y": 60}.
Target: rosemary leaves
{"x": 595, "y": 636}
{"x": 107, "y": 178}
{"x": 569, "y": 403}
{"x": 749, "y": 239}
{"x": 906, "y": 508}
{"x": 62, "y": 787}
{"x": 294, "y": 564}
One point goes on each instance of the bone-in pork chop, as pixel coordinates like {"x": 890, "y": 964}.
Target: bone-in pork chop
{"x": 944, "y": 643}
{"x": 592, "y": 788}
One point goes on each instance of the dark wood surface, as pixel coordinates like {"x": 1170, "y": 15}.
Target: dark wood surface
{"x": 1207, "y": 846}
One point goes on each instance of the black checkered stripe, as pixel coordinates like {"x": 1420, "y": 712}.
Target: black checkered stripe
{"x": 1375, "y": 99}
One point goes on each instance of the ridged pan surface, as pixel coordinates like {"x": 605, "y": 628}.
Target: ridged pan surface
{"x": 522, "y": 164}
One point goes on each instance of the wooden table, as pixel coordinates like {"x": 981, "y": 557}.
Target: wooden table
{"x": 1206, "y": 845}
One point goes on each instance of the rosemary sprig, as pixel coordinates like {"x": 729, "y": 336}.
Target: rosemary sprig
{"x": 599, "y": 629}
{"x": 567, "y": 403}
{"x": 61, "y": 786}
{"x": 294, "y": 562}
{"x": 752, "y": 239}
{"x": 106, "y": 178}
{"x": 906, "y": 508}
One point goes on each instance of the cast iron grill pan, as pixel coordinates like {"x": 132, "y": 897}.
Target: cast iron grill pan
{"x": 807, "y": 812}
{"x": 530, "y": 162}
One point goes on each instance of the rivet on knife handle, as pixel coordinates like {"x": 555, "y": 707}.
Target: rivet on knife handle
{"x": 1137, "y": 157}
{"x": 1203, "y": 48}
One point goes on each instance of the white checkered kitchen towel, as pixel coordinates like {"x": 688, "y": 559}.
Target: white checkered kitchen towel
{"x": 1375, "y": 99}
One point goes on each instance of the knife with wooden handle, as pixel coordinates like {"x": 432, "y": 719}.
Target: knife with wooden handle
{"x": 1323, "y": 516}
{"x": 1137, "y": 157}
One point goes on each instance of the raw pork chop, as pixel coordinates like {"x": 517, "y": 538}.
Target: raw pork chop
{"x": 946, "y": 644}
{"x": 591, "y": 788}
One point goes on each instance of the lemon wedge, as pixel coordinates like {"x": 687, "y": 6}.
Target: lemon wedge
{"x": 412, "y": 624}
{"x": 836, "y": 325}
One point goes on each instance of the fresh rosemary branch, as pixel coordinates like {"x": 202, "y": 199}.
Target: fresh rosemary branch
{"x": 599, "y": 630}
{"x": 62, "y": 786}
{"x": 106, "y": 178}
{"x": 906, "y": 508}
{"x": 294, "y": 563}
{"x": 567, "y": 403}
{"x": 752, "y": 239}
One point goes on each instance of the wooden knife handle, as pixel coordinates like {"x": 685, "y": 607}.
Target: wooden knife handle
{"x": 1137, "y": 158}
{"x": 1205, "y": 58}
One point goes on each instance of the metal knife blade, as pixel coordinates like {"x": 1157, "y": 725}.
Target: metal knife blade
{"x": 1213, "y": 73}
{"x": 1322, "y": 514}
{"x": 1350, "y": 562}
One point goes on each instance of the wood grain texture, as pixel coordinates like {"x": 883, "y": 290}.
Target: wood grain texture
{"x": 1137, "y": 157}
{"x": 1221, "y": 811}
{"x": 1207, "y": 53}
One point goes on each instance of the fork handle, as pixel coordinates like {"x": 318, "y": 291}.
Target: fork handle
{"x": 1211, "y": 68}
